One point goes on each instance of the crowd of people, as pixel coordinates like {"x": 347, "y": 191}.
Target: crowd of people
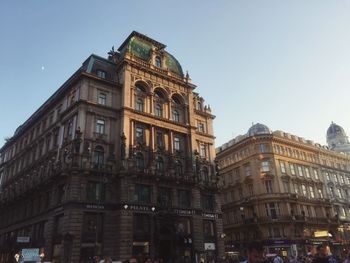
{"x": 255, "y": 254}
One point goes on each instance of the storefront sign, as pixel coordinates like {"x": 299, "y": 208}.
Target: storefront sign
{"x": 23, "y": 239}
{"x": 209, "y": 246}
{"x": 321, "y": 233}
{"x": 208, "y": 215}
{"x": 31, "y": 254}
{"x": 91, "y": 206}
{"x": 184, "y": 212}
{"x": 139, "y": 207}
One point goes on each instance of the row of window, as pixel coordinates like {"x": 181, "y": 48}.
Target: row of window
{"x": 143, "y": 194}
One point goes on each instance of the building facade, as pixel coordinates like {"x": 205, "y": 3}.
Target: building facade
{"x": 285, "y": 191}
{"x": 118, "y": 162}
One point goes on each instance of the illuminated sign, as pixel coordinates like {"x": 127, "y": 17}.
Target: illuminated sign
{"x": 321, "y": 233}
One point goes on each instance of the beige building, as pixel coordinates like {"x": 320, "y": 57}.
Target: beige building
{"x": 119, "y": 161}
{"x": 288, "y": 192}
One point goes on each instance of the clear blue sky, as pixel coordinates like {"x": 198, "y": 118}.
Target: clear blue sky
{"x": 282, "y": 63}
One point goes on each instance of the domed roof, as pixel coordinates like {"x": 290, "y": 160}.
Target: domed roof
{"x": 141, "y": 46}
{"x": 335, "y": 130}
{"x": 257, "y": 129}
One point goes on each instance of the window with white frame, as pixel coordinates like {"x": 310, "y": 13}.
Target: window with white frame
{"x": 176, "y": 115}
{"x": 100, "y": 126}
{"x": 272, "y": 210}
{"x": 269, "y": 186}
{"x": 292, "y": 168}
{"x": 307, "y": 172}
{"x": 201, "y": 127}
{"x": 102, "y": 98}
{"x": 283, "y": 167}
{"x": 312, "y": 193}
{"x": 202, "y": 150}
{"x": 320, "y": 193}
{"x": 303, "y": 189}
{"x": 265, "y": 166}
{"x": 340, "y": 194}
{"x": 247, "y": 170}
{"x": 300, "y": 171}
{"x": 101, "y": 74}
{"x": 140, "y": 104}
{"x": 177, "y": 143}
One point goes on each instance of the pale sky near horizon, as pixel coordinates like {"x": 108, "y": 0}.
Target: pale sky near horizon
{"x": 282, "y": 63}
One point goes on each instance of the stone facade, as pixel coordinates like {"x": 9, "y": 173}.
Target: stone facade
{"x": 118, "y": 162}
{"x": 285, "y": 191}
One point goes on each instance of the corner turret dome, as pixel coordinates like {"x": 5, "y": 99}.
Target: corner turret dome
{"x": 258, "y": 129}
{"x": 337, "y": 139}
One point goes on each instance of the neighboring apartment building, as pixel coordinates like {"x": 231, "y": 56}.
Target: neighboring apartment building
{"x": 288, "y": 192}
{"x": 119, "y": 161}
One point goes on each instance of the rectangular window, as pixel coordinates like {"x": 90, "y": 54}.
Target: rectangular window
{"x": 283, "y": 167}
{"x": 292, "y": 168}
{"x": 303, "y": 189}
{"x": 142, "y": 193}
{"x": 164, "y": 197}
{"x": 331, "y": 192}
{"x": 202, "y": 150}
{"x": 262, "y": 148}
{"x": 286, "y": 186}
{"x": 95, "y": 192}
{"x": 320, "y": 193}
{"x": 184, "y": 198}
{"x": 102, "y": 98}
{"x": 316, "y": 174}
{"x": 268, "y": 186}
{"x": 201, "y": 127}
{"x": 312, "y": 193}
{"x": 177, "y": 144}
{"x": 100, "y": 126}
{"x": 101, "y": 74}
{"x": 340, "y": 194}
{"x": 247, "y": 170}
{"x": 307, "y": 172}
{"x": 300, "y": 171}
{"x": 342, "y": 179}
{"x": 141, "y": 226}
{"x": 207, "y": 202}
{"x": 265, "y": 166}
{"x": 208, "y": 228}
{"x": 272, "y": 210}
{"x": 159, "y": 139}
{"x": 139, "y": 134}
{"x": 327, "y": 176}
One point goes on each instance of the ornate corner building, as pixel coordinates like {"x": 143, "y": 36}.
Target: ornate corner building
{"x": 119, "y": 161}
{"x": 287, "y": 192}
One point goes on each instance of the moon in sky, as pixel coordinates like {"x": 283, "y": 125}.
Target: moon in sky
{"x": 42, "y": 67}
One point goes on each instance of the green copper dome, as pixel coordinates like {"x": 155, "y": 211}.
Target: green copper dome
{"x": 173, "y": 65}
{"x": 141, "y": 46}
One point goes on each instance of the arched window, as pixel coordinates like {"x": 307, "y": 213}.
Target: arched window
{"x": 140, "y": 89}
{"x": 139, "y": 104}
{"x": 159, "y": 164}
{"x": 158, "y": 62}
{"x": 98, "y": 156}
{"x": 140, "y": 162}
{"x": 176, "y": 116}
{"x": 158, "y": 110}
{"x": 178, "y": 168}
{"x": 175, "y": 100}
{"x": 205, "y": 174}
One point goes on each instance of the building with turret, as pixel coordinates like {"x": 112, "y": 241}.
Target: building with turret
{"x": 119, "y": 161}
{"x": 289, "y": 193}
